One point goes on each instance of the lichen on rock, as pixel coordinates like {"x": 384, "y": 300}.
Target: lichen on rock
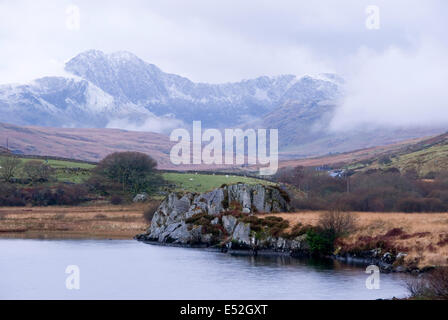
{"x": 223, "y": 217}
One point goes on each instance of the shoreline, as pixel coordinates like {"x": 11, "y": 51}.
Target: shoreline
{"x": 348, "y": 260}
{"x": 423, "y": 235}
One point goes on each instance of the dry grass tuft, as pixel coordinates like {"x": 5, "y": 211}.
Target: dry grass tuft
{"x": 423, "y": 236}
{"x": 93, "y": 221}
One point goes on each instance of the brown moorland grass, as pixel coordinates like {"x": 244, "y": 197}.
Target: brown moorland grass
{"x": 92, "y": 221}
{"x": 424, "y": 236}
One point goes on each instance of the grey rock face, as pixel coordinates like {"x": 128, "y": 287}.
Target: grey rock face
{"x": 229, "y": 223}
{"x": 169, "y": 223}
{"x": 241, "y": 234}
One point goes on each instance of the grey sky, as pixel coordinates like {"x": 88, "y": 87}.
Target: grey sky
{"x": 218, "y": 41}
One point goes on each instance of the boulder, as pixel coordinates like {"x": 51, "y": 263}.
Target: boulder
{"x": 141, "y": 197}
{"x": 388, "y": 258}
{"x": 401, "y": 255}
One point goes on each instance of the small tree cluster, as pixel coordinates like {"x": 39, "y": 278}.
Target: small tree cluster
{"x": 37, "y": 171}
{"x": 133, "y": 171}
{"x": 8, "y": 167}
{"x": 374, "y": 190}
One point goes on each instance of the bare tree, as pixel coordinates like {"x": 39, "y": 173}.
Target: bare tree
{"x": 432, "y": 285}
{"x": 337, "y": 222}
{"x": 8, "y": 167}
{"x": 37, "y": 171}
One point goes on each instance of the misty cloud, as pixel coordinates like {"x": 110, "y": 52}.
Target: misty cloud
{"x": 395, "y": 75}
{"x": 151, "y": 124}
{"x": 396, "y": 88}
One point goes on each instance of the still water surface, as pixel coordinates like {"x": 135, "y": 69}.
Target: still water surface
{"x": 117, "y": 269}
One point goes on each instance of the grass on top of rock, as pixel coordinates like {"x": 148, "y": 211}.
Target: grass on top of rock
{"x": 205, "y": 221}
{"x": 200, "y": 182}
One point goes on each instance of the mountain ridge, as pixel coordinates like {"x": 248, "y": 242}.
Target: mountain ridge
{"x": 120, "y": 90}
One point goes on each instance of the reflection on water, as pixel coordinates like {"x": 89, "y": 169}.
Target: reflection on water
{"x": 117, "y": 269}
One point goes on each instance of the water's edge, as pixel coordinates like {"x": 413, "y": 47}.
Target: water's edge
{"x": 114, "y": 269}
{"x": 347, "y": 259}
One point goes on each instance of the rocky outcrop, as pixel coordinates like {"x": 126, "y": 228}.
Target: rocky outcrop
{"x": 217, "y": 218}
{"x": 224, "y": 218}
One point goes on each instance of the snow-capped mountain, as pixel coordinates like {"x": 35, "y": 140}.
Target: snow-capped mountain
{"x": 120, "y": 89}
{"x": 61, "y": 102}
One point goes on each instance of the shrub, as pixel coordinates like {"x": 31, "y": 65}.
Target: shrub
{"x": 421, "y": 205}
{"x": 410, "y": 205}
{"x": 274, "y": 226}
{"x": 116, "y": 200}
{"x": 432, "y": 285}
{"x": 8, "y": 167}
{"x": 384, "y": 160}
{"x": 337, "y": 222}
{"x": 321, "y": 242}
{"x": 69, "y": 194}
{"x": 37, "y": 171}
{"x": 199, "y": 217}
{"x": 298, "y": 230}
{"x": 235, "y": 205}
{"x": 373, "y": 190}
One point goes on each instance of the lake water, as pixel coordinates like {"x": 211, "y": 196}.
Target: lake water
{"x": 117, "y": 269}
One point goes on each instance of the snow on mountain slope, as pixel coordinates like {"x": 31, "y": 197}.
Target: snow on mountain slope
{"x": 129, "y": 79}
{"x": 122, "y": 91}
{"x": 61, "y": 102}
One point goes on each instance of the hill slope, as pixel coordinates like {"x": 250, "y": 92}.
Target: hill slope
{"x": 425, "y": 156}
{"x": 120, "y": 90}
{"x": 84, "y": 144}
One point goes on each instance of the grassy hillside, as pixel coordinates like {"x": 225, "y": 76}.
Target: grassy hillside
{"x": 84, "y": 144}
{"x": 426, "y": 157}
{"x": 78, "y": 172}
{"x": 65, "y": 171}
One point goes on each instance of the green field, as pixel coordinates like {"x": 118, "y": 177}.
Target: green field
{"x": 206, "y": 182}
{"x": 79, "y": 172}
{"x": 63, "y": 170}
